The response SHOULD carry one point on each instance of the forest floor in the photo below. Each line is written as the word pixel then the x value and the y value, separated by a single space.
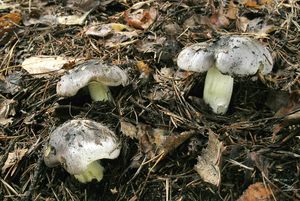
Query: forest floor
pixel 256 143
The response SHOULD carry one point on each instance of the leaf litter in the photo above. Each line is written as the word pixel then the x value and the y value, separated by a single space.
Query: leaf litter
pixel 170 130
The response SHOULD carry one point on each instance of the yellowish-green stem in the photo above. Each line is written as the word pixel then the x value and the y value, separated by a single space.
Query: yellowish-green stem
pixel 217 90
pixel 94 171
pixel 99 91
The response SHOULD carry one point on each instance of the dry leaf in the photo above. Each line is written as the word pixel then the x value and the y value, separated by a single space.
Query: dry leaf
pixel 153 44
pixel 13 159
pixel 257 192
pixel 129 130
pixel 53 20
pixel 6 109
pixel 165 78
pixel 154 141
pixel 232 11
pixel 167 143
pixel 208 166
pixel 242 23
pixel 72 19
pixel 114 34
pixel 195 20
pixel 11 83
pixel 290 113
pixel 144 69
pixel 219 20
pixel 8 26
pixel 9 20
pixel 257 26
pixel 42 66
pixel 141 18
pixel 103 30
pixel 261 162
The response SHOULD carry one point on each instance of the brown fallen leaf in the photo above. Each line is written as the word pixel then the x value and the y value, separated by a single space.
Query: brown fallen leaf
pixel 13 159
pixel 9 20
pixel 141 18
pixel 219 20
pixel 144 69
pixel 290 113
pixel 154 141
pixel 8 25
pixel 208 165
pixel 232 11
pixel 257 192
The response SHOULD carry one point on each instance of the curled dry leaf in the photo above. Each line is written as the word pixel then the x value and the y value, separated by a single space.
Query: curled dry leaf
pixel 154 141
pixel 42 66
pixel 257 192
pixel 13 159
pixel 208 165
pixel 141 18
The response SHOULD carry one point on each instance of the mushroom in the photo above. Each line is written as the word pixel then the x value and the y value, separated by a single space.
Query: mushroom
pixel 94 74
pixel 77 145
pixel 228 57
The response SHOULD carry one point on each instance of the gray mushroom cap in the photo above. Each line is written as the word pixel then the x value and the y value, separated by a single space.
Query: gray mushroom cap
pixel 232 55
pixel 198 57
pixel 91 70
pixel 77 143
pixel 242 56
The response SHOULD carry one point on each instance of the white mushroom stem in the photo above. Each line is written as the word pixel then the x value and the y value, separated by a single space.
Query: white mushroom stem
pixel 99 91
pixel 94 171
pixel 217 90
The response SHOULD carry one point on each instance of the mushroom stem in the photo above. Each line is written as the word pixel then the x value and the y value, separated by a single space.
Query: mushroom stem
pixel 93 171
pixel 217 90
pixel 99 91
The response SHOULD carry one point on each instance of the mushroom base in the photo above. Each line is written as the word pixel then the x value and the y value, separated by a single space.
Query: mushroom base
pixel 217 90
pixel 99 92
pixel 93 171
